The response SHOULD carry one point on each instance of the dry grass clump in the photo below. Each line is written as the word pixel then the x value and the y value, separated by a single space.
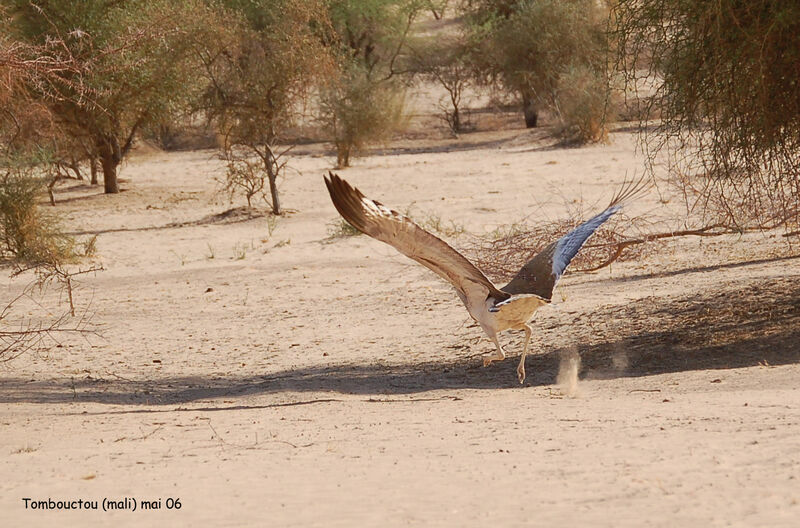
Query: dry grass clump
pixel 29 237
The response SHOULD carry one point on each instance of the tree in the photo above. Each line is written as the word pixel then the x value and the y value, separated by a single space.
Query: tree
pixel 448 62
pixel 260 66
pixel 30 239
pixel 133 62
pixel 724 78
pixel 526 46
pixel 363 102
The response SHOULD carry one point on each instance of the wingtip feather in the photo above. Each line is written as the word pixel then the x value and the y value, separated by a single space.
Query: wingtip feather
pixel 629 190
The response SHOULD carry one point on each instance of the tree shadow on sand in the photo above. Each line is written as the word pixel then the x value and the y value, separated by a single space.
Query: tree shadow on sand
pixel 756 324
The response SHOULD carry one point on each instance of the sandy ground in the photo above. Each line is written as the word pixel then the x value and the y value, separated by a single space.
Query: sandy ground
pixel 266 375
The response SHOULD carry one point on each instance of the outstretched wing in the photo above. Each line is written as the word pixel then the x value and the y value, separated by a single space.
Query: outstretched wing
pixel 380 222
pixel 540 275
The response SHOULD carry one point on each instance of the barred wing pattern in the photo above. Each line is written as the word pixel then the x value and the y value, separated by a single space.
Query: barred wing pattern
pixel 389 226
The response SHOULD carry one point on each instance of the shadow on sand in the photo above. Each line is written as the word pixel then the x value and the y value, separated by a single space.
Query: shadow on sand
pixel 757 324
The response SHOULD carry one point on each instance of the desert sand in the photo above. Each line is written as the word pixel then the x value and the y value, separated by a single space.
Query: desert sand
pixel 265 374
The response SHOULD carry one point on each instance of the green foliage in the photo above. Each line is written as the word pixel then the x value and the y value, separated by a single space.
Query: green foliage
pixel 261 62
pixel 373 32
pixel 724 78
pixel 527 46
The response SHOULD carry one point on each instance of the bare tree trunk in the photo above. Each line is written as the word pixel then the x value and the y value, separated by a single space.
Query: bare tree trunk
pixel 93 169
pixel 342 155
pixel 76 170
pixel 273 190
pixel 529 110
pixel 50 187
pixel 272 175
pixel 109 160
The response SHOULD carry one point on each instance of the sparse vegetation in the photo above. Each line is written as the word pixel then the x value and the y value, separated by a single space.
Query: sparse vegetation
pixel 240 251
pixel 433 222
pixel 341 228
pixel 29 237
pixel 246 175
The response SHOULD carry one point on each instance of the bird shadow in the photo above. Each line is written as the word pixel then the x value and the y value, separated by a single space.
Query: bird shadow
pixel 752 325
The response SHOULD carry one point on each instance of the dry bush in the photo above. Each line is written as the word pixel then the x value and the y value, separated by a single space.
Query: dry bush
pixel 504 251
pixel 356 111
pixel 21 332
pixel 261 60
pixel 581 105
pixel 341 228
pixel 31 240
pixel 252 175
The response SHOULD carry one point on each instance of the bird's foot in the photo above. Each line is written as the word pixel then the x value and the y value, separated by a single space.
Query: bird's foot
pixel 521 373
pixel 488 358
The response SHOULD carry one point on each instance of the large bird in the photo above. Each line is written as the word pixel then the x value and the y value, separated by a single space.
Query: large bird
pixel 494 309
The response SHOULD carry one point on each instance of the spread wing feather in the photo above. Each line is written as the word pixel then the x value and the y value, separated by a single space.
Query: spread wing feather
pixel 389 226
pixel 540 275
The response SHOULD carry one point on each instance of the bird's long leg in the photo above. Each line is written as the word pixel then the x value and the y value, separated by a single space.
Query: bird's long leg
pixel 497 356
pixel 521 367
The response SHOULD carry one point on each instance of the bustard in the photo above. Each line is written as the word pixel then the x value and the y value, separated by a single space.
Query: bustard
pixel 494 309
